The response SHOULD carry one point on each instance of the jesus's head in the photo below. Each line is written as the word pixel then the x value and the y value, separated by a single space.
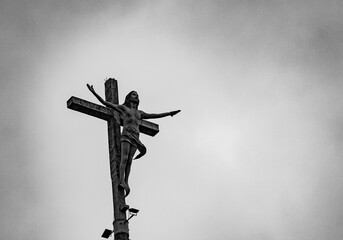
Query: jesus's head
pixel 131 97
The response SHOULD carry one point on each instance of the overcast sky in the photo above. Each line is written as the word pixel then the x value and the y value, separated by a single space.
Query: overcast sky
pixel 256 152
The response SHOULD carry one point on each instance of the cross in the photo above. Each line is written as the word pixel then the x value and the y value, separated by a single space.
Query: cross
pixel 120 224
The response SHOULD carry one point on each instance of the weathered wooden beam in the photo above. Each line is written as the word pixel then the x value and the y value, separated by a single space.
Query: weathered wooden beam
pixel 105 113
pixel 148 128
pixel 89 108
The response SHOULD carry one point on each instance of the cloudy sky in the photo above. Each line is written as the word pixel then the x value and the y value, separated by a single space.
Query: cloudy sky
pixel 255 153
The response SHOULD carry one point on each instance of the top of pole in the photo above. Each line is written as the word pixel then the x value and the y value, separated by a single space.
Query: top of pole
pixel 111 91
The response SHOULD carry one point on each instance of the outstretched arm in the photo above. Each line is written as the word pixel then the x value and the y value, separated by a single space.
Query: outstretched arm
pixel 107 104
pixel 159 115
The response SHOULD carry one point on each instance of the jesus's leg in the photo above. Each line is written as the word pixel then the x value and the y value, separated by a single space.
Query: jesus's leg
pixel 125 151
pixel 128 167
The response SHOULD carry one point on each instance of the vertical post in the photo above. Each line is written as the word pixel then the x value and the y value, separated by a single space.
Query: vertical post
pixel 120 225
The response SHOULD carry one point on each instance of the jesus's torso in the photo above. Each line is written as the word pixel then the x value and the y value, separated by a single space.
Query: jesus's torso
pixel 131 120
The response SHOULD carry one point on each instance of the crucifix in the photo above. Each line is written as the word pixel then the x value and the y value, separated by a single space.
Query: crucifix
pixel 122 147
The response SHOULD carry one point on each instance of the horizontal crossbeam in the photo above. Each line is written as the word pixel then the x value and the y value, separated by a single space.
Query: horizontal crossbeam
pixel 105 113
pixel 89 108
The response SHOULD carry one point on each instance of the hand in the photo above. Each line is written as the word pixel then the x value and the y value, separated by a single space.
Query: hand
pixel 172 113
pixel 90 87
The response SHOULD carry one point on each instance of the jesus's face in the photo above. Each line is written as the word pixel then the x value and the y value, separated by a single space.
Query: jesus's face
pixel 134 96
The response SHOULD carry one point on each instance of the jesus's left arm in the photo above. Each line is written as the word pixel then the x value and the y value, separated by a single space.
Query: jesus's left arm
pixel 158 115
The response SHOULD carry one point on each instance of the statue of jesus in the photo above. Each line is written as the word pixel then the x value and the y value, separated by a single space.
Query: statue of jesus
pixel 130 135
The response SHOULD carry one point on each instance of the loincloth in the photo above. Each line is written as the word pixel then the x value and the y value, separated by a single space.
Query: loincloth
pixel 134 141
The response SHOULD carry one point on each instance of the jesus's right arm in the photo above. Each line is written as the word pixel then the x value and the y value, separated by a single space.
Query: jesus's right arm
pixel 118 108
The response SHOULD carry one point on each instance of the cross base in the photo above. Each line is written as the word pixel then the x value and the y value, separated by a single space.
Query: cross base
pixel 121 236
pixel 120 226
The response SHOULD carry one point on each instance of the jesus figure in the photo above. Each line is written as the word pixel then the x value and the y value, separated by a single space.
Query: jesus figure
pixel 130 135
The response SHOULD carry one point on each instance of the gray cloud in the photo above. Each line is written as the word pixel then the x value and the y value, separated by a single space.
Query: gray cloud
pixel 261 78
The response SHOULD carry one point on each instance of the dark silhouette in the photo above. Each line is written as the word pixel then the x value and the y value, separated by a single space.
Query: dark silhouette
pixel 130 135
